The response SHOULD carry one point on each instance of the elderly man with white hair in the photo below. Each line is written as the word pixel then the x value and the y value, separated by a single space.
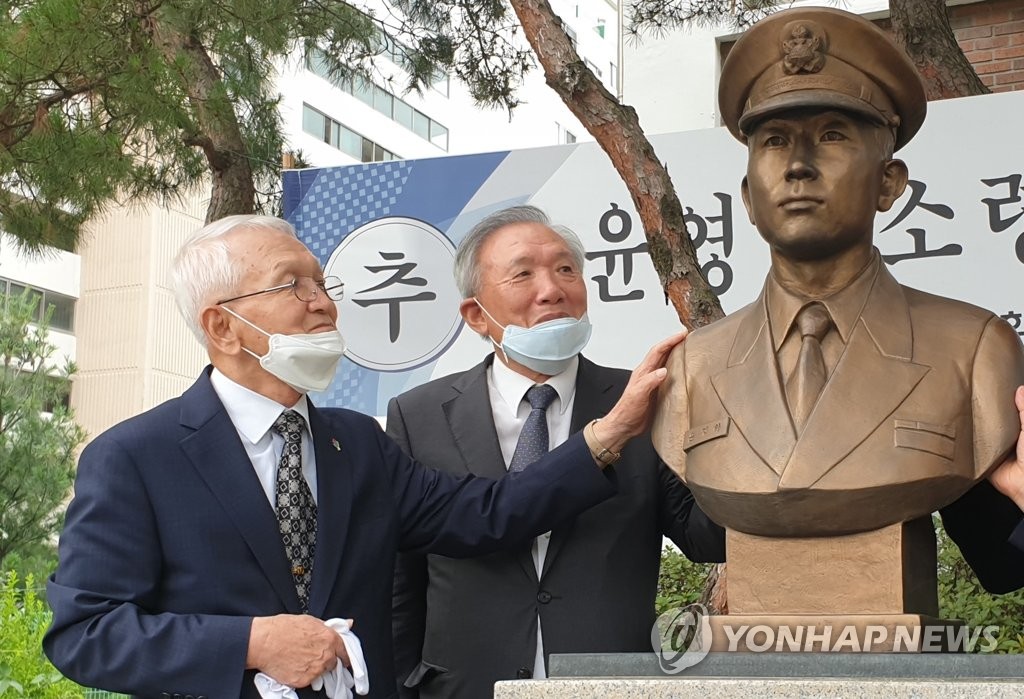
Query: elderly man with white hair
pixel 212 537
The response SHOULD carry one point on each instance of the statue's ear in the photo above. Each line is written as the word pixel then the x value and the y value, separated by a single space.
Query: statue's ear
pixel 745 193
pixel 894 181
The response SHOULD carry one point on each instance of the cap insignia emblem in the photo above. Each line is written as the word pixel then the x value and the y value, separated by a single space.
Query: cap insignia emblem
pixel 803 50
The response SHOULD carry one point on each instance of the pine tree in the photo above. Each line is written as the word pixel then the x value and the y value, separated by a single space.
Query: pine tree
pixel 38 435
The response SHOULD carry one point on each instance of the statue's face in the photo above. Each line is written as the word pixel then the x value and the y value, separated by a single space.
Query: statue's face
pixel 815 180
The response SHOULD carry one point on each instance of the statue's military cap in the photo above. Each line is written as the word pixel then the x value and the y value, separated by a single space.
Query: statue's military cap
pixel 820 58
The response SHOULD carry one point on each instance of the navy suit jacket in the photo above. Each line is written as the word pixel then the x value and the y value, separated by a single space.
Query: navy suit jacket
pixel 170 546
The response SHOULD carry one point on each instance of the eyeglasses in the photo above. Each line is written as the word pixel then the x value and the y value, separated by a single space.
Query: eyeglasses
pixel 304 288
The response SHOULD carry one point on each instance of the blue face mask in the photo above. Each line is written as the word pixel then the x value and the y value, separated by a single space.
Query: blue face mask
pixel 548 347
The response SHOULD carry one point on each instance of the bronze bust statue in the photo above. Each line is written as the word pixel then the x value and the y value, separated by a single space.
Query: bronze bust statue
pixel 839 401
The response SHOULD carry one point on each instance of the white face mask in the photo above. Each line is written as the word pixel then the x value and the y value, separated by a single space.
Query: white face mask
pixel 306 362
pixel 548 347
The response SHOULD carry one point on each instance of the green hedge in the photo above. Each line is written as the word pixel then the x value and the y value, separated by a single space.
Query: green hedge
pixel 24 670
pixel 961 596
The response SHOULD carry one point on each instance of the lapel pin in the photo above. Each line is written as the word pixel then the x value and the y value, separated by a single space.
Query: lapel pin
pixel 335 444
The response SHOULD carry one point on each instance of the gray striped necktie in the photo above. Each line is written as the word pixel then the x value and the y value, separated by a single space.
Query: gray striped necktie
pixel 533 439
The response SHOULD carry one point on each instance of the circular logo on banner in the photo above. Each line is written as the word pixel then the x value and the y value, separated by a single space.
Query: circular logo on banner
pixel 401 306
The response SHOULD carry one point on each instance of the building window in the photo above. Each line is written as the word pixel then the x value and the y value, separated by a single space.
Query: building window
pixel 62 315
pixel 403 113
pixel 385 102
pixel 362 90
pixel 441 83
pixel 613 75
pixel 421 124
pixel 351 143
pixel 334 133
pixel 60 307
pixel 439 135
pixel 315 123
pixel 563 135
pixel 391 48
pixel 600 28
pixel 366 152
pixel 397 53
pixel 593 67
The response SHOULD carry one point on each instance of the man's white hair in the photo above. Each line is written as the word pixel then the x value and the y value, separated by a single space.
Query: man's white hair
pixel 205 270
pixel 467 258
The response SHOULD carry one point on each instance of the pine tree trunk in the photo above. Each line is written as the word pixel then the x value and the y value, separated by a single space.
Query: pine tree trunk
pixel 715 595
pixel 217 133
pixel 922 28
pixel 617 130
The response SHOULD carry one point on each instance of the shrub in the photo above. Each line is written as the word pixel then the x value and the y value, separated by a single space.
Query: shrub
pixel 680 581
pixel 24 670
pixel 961 596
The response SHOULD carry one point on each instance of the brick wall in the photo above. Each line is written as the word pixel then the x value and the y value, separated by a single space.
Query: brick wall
pixel 991 35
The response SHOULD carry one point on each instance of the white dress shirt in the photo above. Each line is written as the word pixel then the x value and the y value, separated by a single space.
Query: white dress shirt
pixel 253 416
pixel 507 391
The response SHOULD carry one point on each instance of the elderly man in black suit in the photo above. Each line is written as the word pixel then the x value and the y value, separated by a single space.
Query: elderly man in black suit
pixel 587 586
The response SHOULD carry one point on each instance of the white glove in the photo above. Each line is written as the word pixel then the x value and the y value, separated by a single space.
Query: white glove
pixel 337 683
pixel 269 688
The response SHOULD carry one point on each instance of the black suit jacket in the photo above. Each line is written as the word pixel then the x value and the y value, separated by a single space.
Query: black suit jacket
pixel 1017 539
pixel 461 625
pixel 171 547
pixel 989 530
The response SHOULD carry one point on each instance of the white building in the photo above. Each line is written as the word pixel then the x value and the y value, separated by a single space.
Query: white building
pixel 53 277
pixel 672 79
pixel 343 122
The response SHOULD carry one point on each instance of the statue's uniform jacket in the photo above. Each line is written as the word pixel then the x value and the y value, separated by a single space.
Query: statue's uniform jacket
pixel 918 408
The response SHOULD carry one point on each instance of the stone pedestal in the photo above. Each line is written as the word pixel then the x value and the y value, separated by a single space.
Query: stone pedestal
pixel 745 689
pixel 869 592
pixel 778 675
pixel 886 571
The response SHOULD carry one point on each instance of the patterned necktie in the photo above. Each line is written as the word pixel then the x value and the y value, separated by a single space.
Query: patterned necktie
pixel 296 509
pixel 533 439
pixel 809 376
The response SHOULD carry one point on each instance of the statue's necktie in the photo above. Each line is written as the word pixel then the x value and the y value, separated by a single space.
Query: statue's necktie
pixel 808 378
pixel 296 509
pixel 533 439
